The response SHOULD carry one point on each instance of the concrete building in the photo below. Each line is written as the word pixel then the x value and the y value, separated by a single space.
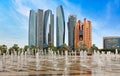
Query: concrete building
pixel 71 24
pixel 60 27
pixel 111 42
pixel 83 33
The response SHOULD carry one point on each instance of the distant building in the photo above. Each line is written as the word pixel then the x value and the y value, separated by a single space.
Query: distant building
pixel 32 28
pixel 48 28
pixel 83 33
pixel 60 27
pixel 111 42
pixel 71 25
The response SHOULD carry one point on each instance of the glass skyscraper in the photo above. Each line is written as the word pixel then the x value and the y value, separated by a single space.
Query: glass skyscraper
pixel 40 27
pixel 32 28
pixel 60 27
pixel 71 25
pixel 48 28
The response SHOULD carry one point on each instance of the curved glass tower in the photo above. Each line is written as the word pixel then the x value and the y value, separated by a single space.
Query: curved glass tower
pixel 48 28
pixel 32 28
pixel 60 26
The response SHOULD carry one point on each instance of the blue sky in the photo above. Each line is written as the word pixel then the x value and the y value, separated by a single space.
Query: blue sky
pixel 14 17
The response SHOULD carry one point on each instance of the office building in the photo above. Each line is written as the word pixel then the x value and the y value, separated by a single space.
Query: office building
pixel 40 27
pixel 48 28
pixel 60 27
pixel 82 33
pixel 32 28
pixel 111 42
pixel 71 25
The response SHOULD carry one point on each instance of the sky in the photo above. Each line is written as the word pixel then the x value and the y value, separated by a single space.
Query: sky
pixel 14 18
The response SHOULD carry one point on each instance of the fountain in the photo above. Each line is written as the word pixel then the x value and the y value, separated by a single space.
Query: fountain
pixel 25 62
pixel 116 51
pixel 18 63
pixel 60 62
pixel 37 62
pixel 1 66
pixel 66 58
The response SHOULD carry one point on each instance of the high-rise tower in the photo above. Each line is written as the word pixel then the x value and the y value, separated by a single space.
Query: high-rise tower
pixel 82 33
pixel 48 28
pixel 71 25
pixel 40 27
pixel 32 28
pixel 87 33
pixel 60 27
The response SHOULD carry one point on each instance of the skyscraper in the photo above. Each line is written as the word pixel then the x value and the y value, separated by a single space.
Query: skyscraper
pixel 48 28
pixel 82 33
pixel 32 28
pixel 60 26
pixel 78 34
pixel 87 33
pixel 71 25
pixel 40 27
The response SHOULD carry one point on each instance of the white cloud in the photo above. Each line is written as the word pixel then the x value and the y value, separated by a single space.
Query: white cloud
pixel 20 8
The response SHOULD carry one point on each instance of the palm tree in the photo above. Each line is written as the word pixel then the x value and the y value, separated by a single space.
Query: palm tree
pixel 33 49
pixel 11 50
pixel 16 48
pixel 83 46
pixel 40 47
pixel 93 47
pixel 64 47
pixel 26 47
pixel 3 49
pixel 77 48
pixel 51 46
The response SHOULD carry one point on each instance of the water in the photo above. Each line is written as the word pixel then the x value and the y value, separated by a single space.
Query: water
pixel 59 63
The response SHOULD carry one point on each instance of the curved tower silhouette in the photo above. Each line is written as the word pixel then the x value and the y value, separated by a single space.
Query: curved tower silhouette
pixel 60 27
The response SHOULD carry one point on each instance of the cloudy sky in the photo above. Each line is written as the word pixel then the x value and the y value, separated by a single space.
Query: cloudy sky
pixel 14 17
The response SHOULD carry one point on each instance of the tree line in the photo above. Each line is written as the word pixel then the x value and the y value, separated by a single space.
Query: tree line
pixel 64 47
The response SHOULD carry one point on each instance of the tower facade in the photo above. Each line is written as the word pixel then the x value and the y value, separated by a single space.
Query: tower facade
pixel 60 27
pixel 78 34
pixel 48 28
pixel 82 33
pixel 111 42
pixel 32 28
pixel 87 35
pixel 40 27
pixel 71 25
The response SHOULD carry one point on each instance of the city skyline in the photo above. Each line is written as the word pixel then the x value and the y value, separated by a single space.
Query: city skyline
pixel 104 16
